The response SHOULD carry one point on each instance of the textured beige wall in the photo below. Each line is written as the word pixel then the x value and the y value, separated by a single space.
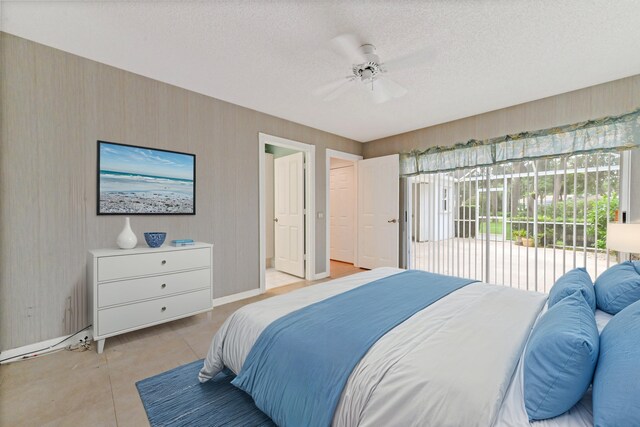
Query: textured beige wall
pixel 613 98
pixel 54 107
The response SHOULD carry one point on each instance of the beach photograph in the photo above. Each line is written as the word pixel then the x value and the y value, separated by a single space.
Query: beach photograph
pixel 138 180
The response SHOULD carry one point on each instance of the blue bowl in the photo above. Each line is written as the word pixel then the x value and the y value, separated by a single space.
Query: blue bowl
pixel 155 239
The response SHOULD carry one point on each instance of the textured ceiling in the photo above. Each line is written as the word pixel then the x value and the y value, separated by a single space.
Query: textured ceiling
pixel 269 56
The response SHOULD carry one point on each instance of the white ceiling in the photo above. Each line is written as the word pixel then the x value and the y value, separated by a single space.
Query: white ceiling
pixel 269 56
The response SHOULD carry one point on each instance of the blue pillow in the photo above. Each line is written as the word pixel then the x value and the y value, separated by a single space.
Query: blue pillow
pixel 616 385
pixel 618 287
pixel 560 358
pixel 575 280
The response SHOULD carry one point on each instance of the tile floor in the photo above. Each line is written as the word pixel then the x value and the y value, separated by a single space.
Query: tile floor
pixel 90 389
pixel 274 278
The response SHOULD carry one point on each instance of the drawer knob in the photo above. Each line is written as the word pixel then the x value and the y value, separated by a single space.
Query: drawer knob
pixel 163 309
pixel 164 261
pixel 164 285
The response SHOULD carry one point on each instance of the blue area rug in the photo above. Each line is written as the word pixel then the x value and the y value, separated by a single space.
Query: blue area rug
pixel 176 398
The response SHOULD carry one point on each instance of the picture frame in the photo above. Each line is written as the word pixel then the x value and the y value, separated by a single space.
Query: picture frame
pixel 137 180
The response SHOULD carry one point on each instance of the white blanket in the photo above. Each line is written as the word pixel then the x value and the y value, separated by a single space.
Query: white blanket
pixel 449 364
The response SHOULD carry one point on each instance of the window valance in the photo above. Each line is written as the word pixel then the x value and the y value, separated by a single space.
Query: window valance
pixel 605 134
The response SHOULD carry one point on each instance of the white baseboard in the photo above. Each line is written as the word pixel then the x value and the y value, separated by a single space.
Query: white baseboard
pixel 42 347
pixel 236 297
pixel 322 275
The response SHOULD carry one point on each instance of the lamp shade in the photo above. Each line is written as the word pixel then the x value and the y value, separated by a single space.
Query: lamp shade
pixel 623 237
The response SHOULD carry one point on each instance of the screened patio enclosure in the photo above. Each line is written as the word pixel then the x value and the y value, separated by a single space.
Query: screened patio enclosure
pixel 521 224
pixel 520 210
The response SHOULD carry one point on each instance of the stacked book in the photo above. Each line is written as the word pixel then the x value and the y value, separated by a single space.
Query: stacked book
pixel 183 242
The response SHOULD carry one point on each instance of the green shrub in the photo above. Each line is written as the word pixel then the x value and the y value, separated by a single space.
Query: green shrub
pixel 600 206
pixel 518 234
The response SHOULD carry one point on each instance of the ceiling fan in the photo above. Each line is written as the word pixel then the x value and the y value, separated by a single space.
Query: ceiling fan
pixel 368 72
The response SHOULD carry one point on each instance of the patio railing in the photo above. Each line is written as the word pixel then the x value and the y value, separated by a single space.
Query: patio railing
pixel 521 224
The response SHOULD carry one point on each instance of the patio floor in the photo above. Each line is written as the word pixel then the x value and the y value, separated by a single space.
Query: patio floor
pixel 521 267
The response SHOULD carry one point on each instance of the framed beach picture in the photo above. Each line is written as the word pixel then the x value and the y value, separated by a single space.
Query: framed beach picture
pixel 145 181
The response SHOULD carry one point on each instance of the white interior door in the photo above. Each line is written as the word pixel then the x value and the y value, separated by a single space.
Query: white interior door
pixel 342 216
pixel 378 212
pixel 289 214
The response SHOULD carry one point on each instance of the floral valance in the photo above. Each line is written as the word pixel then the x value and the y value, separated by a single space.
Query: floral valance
pixel 606 134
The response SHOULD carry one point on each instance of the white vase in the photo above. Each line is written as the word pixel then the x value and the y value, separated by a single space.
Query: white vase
pixel 127 239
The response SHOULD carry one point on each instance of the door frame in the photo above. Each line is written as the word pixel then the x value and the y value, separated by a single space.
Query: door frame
pixel 344 156
pixel 309 152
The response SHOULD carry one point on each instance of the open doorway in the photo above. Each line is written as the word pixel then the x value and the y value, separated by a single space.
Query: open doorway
pixel 342 229
pixel 286 195
pixel 284 215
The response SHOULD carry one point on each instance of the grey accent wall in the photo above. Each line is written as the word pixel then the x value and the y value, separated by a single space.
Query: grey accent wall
pixel 54 106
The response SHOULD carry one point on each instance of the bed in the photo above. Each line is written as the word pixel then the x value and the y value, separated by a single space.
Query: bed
pixel 456 362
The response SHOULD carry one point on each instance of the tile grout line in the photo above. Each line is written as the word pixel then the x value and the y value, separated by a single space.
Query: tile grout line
pixel 190 348
pixel 113 400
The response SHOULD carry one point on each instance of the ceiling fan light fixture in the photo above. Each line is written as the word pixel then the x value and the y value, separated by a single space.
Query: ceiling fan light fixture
pixel 366 70
pixel 366 74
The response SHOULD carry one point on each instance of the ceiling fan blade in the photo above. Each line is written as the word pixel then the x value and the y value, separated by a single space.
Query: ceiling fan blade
pixel 348 45
pixel 348 84
pixel 411 60
pixel 378 91
pixel 325 90
pixel 391 87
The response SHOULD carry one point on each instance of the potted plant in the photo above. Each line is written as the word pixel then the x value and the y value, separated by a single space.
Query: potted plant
pixel 518 235
pixel 523 235
pixel 528 241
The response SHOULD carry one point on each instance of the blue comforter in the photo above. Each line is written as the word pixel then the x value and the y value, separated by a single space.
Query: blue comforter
pixel 298 367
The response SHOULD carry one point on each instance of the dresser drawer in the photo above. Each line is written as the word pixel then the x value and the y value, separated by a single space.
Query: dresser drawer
pixel 111 320
pixel 124 291
pixel 126 266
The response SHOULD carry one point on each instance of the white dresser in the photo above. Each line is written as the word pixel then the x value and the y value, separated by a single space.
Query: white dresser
pixel 136 288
